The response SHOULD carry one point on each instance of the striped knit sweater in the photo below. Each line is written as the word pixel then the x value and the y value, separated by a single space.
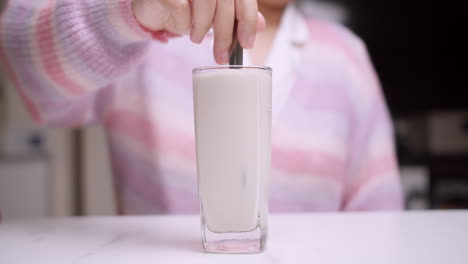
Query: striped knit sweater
pixel 82 62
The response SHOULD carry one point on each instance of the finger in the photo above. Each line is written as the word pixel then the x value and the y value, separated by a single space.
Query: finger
pixel 203 12
pixel 223 25
pixel 246 14
pixel 180 19
pixel 261 22
pixel 145 16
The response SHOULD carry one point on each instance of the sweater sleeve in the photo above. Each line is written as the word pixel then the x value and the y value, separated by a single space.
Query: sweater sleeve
pixel 373 180
pixel 62 54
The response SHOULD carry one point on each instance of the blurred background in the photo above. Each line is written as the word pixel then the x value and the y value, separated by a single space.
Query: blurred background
pixel 59 172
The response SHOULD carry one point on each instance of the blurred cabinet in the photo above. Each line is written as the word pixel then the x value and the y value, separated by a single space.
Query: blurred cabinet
pixel 435 133
pixel 438 140
pixel 415 182
pixel 24 188
pixel 448 181
pixel 448 133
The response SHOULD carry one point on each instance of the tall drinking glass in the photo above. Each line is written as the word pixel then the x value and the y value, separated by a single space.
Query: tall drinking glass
pixel 232 106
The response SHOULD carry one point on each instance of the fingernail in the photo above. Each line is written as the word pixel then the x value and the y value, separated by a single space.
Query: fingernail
pixel 250 41
pixel 246 39
pixel 196 38
pixel 224 57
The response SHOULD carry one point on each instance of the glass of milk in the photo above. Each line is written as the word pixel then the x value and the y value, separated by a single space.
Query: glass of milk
pixel 232 106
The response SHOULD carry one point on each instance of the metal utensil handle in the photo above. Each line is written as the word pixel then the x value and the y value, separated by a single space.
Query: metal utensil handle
pixel 237 53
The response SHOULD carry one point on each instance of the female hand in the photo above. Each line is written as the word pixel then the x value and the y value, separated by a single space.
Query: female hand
pixel 198 16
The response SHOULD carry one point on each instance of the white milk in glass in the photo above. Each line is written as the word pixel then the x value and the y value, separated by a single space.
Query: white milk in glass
pixel 233 139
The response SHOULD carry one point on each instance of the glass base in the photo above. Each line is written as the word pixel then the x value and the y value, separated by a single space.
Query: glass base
pixel 234 242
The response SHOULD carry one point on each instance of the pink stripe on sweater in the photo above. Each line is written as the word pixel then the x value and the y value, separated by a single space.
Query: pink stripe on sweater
pixel 47 47
pixel 162 138
pixel 133 125
pixel 170 140
pixel 296 161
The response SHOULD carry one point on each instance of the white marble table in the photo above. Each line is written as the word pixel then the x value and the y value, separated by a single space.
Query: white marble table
pixel 422 237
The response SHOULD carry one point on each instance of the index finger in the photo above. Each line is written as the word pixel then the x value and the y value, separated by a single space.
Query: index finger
pixel 223 28
pixel 246 14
